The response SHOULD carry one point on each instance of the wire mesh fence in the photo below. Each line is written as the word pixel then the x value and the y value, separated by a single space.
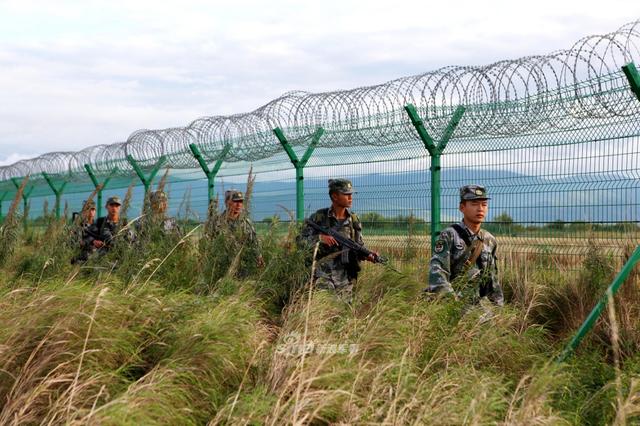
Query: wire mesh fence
pixel 554 138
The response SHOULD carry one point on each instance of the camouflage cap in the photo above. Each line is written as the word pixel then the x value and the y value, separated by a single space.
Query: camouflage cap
pixel 114 200
pixel 157 196
pixel 233 195
pixel 343 186
pixel 473 192
pixel 88 204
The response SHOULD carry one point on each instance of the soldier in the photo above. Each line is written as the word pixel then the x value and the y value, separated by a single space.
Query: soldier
pixel 100 236
pixel 88 213
pixel 158 216
pixel 336 269
pixel 80 229
pixel 467 254
pixel 238 224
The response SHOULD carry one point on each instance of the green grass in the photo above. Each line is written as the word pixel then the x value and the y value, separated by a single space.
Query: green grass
pixel 168 332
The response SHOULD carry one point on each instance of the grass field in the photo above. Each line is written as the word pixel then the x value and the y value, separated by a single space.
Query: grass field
pixel 171 331
pixel 616 245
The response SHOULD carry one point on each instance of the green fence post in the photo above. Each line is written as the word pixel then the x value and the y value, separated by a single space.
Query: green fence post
pixel 99 186
pixel 299 165
pixel 25 199
pixel 56 191
pixel 210 174
pixel 631 72
pixel 588 324
pixel 146 181
pixel 435 151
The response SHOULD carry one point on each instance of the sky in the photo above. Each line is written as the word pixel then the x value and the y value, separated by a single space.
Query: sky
pixel 81 73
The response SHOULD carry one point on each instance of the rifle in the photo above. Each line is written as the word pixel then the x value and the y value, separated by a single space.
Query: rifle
pixel 348 243
pixel 106 238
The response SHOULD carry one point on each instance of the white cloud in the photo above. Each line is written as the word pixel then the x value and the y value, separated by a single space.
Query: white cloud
pixel 78 74
pixel 13 158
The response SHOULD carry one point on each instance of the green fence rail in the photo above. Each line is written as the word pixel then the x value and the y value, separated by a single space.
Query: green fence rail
pixel 299 164
pixel 555 139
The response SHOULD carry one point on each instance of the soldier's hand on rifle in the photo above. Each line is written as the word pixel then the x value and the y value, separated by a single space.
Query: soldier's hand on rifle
pixel 260 262
pixel 373 256
pixel 328 240
pixel 98 243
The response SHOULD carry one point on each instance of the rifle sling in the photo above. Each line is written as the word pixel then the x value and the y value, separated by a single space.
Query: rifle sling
pixel 474 247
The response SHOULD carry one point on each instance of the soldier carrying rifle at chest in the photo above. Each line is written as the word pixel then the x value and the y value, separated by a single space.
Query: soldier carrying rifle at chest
pixel 337 262
pixel 100 236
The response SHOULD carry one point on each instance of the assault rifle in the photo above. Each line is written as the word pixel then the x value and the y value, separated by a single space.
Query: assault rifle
pixel 359 249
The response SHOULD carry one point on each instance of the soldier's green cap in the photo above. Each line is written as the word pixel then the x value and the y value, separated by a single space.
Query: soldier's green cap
pixel 157 196
pixel 473 192
pixel 88 204
pixel 343 186
pixel 114 200
pixel 233 195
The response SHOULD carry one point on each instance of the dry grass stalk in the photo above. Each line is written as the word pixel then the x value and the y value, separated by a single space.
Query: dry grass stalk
pixel 85 207
pixel 235 264
pixel 45 209
pixel 251 180
pixel 9 231
pixel 259 350
pixel 13 209
pixel 305 335
pixel 163 181
pixel 182 241
pixel 629 409
pixel 213 218
pixel 126 203
pixel 84 351
pixel 615 347
pixel 184 209
pixel 529 405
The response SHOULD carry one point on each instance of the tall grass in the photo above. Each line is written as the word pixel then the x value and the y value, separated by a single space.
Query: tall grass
pixel 9 230
pixel 84 353
pixel 174 337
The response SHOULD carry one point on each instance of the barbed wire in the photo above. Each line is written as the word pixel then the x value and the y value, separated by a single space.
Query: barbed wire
pixel 558 91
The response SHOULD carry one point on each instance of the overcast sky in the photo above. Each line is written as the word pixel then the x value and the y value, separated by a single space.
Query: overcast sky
pixel 80 73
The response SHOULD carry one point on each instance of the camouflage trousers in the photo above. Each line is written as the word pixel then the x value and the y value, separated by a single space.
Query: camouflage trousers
pixel 335 281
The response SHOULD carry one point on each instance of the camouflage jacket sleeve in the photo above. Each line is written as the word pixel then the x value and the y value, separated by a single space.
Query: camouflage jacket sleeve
pixel 309 235
pixel 129 232
pixel 252 235
pixel 357 234
pixel 357 227
pixel 172 225
pixel 88 235
pixel 108 233
pixel 494 290
pixel 440 265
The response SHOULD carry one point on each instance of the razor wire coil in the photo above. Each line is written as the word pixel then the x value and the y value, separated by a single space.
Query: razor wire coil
pixel 554 92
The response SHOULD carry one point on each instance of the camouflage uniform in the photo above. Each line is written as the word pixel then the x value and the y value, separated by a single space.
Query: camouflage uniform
pixel 83 229
pixel 449 262
pixel 241 234
pixel 157 219
pixel 80 230
pixel 336 269
pixel 166 225
pixel 104 230
pixel 242 228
